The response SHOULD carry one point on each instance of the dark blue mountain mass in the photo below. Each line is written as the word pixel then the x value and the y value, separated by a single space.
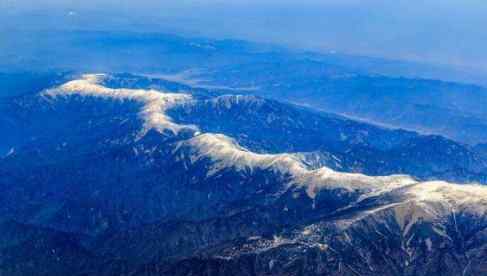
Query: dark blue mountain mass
pixel 154 154
pixel 168 174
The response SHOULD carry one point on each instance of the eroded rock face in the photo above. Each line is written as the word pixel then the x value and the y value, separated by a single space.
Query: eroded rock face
pixel 110 181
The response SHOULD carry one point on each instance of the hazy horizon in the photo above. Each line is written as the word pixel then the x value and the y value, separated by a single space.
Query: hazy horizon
pixel 433 32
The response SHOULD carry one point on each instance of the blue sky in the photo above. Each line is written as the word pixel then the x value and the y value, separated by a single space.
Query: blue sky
pixel 448 32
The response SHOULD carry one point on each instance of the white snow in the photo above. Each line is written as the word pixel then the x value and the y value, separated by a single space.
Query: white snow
pixel 448 197
pixel 431 202
pixel 10 153
pixel 425 199
pixel 154 102
pixel 370 185
pixel 429 244
pixel 225 153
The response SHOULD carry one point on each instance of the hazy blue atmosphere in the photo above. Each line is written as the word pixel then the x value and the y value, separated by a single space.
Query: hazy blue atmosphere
pixel 245 137
pixel 434 31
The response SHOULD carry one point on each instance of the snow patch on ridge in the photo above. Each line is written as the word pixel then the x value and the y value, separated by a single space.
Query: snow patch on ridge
pixel 430 202
pixel 155 103
pixel 318 179
pixel 225 152
pixel 454 197
pixel 434 200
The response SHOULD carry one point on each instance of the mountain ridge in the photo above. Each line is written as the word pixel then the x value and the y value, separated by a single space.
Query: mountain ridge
pixel 157 177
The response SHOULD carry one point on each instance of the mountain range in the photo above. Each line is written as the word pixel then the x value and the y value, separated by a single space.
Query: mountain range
pixel 124 174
